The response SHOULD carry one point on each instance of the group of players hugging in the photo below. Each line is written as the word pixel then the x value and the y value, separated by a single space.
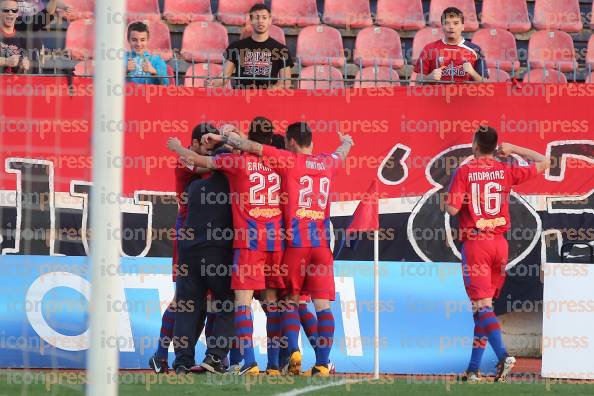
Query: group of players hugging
pixel 258 213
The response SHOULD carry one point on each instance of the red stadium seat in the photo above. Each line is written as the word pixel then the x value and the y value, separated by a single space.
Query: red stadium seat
pixel 275 32
pixel 347 13
pixel 159 39
pixel 204 42
pixel 368 77
pixel 81 9
pixel 235 12
pixel 182 12
pixel 80 39
pixel 590 53
pixel 498 75
pixel 141 10
pixel 400 14
pixel 511 15
pixel 378 46
pixel 326 77
pixel 558 15
pixel 424 37
pixel 551 49
pixel 320 45
pixel 499 48
pixel 211 70
pixel 84 68
pixel 295 13
pixel 466 6
pixel 544 76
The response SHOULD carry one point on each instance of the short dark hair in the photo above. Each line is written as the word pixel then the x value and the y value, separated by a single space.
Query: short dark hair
pixel 452 12
pixel 486 139
pixel 300 133
pixel 202 129
pixel 278 141
pixel 258 7
pixel 261 130
pixel 138 27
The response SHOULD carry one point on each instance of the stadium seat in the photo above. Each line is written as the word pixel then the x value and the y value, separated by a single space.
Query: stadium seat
pixel 544 76
pixel 498 75
pixel 466 6
pixel 84 68
pixel 330 77
pixel 159 39
pixel 590 52
pixel 182 12
pixel 320 45
pixel 80 39
pixel 275 32
pixel 499 48
pixel 551 49
pixel 558 15
pixel 81 9
pixel 400 14
pixel 347 13
pixel 511 15
pixel 211 70
pixel 368 77
pixel 235 12
pixel 142 10
pixel 422 38
pixel 204 42
pixel 378 46
pixel 295 13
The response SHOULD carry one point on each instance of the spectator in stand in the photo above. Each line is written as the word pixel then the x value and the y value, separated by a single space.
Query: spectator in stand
pixel 452 58
pixel 28 8
pixel 18 44
pixel 259 56
pixel 142 67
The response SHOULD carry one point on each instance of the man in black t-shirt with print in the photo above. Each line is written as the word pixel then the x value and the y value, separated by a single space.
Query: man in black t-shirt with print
pixel 260 57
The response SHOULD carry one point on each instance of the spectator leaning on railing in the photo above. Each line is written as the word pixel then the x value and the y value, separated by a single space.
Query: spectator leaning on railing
pixel 258 56
pixel 142 67
pixel 17 43
pixel 452 58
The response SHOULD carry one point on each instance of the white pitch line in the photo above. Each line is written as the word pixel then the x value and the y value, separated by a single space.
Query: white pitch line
pixel 312 388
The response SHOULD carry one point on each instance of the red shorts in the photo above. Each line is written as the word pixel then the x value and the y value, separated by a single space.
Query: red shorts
pixel 483 266
pixel 310 270
pixel 255 270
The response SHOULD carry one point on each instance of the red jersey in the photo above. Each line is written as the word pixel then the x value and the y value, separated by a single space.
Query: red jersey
pixel 453 57
pixel 480 189
pixel 183 177
pixel 306 181
pixel 255 201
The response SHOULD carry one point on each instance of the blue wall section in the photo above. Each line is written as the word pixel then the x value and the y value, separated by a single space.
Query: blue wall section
pixel 425 322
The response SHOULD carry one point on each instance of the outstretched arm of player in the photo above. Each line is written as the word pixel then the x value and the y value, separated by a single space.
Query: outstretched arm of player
pixel 542 163
pixel 235 141
pixel 346 143
pixel 188 156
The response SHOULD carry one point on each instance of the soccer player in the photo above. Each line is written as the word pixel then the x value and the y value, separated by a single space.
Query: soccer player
pixel 479 196
pixel 452 58
pixel 184 175
pixel 308 260
pixel 257 218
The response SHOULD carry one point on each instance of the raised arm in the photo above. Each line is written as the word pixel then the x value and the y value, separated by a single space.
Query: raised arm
pixel 188 155
pixel 235 141
pixel 542 163
pixel 346 143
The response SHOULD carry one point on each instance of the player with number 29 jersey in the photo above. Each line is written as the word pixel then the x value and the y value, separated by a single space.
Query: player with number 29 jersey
pixel 306 181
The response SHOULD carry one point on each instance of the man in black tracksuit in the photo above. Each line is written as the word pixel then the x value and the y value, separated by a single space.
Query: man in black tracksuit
pixel 205 262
